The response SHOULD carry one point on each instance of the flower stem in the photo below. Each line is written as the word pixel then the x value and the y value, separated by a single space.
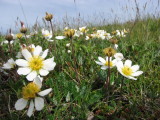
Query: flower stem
pixel 108 74
pixel 10 48
pixel 74 59
pixel 122 83
pixel 108 78
pixel 53 35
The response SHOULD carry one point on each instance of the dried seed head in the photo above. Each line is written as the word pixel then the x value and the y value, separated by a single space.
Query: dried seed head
pixel 48 16
pixel 113 41
pixel 114 32
pixel 109 51
pixel 69 33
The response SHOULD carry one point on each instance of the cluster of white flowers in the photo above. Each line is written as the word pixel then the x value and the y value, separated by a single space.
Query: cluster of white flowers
pixel 126 69
pixel 33 65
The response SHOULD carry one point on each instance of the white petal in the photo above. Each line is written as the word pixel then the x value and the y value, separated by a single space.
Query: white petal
pixel 104 67
pixel 60 37
pixel 43 72
pixel 135 68
pixel 23 71
pixel 128 63
pixel 37 50
pixel 102 60
pixel 38 81
pixel 99 63
pixel 11 61
pixel 7 66
pixel 130 77
pixel 21 104
pixel 114 62
pixel 39 103
pixel 27 55
pixel 45 92
pixel 50 40
pixel 31 76
pixel 30 109
pixel 22 62
pixel 44 54
pixel 119 64
pixel 109 58
pixel 49 64
pixel 119 56
pixel 137 73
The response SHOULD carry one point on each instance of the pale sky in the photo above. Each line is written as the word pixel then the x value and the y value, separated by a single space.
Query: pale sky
pixel 90 10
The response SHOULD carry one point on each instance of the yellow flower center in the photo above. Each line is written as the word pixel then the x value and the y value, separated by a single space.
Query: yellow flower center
pixel 19 35
pixel 46 35
pixel 36 63
pixel 109 64
pixel 30 91
pixel 83 30
pixel 127 70
pixel 31 49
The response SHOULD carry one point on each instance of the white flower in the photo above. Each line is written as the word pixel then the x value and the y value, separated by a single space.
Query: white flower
pixel 47 34
pixel 31 94
pixel 104 62
pixel 87 38
pixel 83 30
pixel 68 44
pixel 68 51
pixel 6 42
pixel 9 64
pixel 115 46
pixel 34 63
pixel 127 70
pixel 119 56
pixel 77 33
pixel 60 37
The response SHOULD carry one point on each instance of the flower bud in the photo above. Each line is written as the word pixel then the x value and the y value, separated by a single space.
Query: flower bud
pixel 48 16
pixel 109 51
pixel 9 37
pixel 23 30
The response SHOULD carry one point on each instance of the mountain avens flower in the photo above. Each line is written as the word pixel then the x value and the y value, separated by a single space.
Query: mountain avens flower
pixel 34 63
pixel 105 64
pixel 32 93
pixel 9 64
pixel 127 70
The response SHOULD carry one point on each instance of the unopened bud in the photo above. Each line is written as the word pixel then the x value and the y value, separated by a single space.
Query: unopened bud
pixel 23 30
pixel 9 37
pixel 48 16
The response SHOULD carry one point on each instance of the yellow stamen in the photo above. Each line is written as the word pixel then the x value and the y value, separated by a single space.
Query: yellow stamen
pixel 110 64
pixel 30 91
pixel 46 35
pixel 36 63
pixel 127 70
pixel 19 35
